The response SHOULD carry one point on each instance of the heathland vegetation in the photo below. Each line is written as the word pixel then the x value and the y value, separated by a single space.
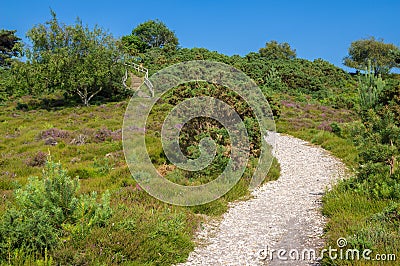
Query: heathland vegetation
pixel 68 196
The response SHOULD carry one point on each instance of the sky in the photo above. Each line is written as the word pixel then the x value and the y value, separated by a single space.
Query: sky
pixel 316 29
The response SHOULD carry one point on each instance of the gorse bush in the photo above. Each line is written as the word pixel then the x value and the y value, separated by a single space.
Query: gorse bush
pixel 199 128
pixel 47 210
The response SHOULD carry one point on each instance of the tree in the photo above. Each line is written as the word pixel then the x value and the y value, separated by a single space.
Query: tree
pixel 150 34
pixel 396 56
pixel 9 46
pixel 73 59
pixel 379 53
pixel 275 50
pixel 133 45
pixel 370 88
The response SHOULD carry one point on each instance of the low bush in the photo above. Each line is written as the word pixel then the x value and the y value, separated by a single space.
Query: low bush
pixel 48 210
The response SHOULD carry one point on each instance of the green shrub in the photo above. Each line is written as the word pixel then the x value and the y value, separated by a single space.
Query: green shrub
pixel 103 165
pixel 89 213
pixel 48 209
pixel 336 129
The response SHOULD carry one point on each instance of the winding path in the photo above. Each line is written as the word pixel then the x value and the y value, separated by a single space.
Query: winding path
pixel 283 213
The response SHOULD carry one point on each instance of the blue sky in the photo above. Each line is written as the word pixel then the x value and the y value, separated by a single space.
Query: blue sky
pixel 316 29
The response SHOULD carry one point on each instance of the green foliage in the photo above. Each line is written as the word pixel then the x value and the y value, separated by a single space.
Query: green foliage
pixel 370 88
pixel 396 55
pixel 320 79
pixel 87 214
pixel 380 54
pixel 199 128
pixel 156 58
pixel 150 34
pixel 46 209
pixel 15 81
pixel 72 59
pixel 103 165
pixel 390 96
pixel 10 46
pixel 378 139
pixel 274 81
pixel 4 82
pixel 133 45
pixel 274 50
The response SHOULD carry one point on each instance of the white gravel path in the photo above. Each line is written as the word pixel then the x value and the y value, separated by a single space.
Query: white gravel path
pixel 283 213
